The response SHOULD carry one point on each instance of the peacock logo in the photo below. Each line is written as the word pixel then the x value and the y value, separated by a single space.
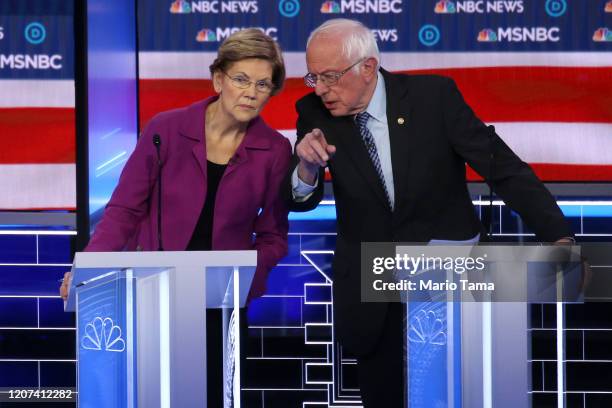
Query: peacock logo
pixel 445 7
pixel 330 7
pixel 487 35
pixel 206 35
pixel 426 327
pixel 180 7
pixel 603 34
pixel 103 335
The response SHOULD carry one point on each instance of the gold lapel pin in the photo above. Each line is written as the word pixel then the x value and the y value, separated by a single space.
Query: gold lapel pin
pixel 400 121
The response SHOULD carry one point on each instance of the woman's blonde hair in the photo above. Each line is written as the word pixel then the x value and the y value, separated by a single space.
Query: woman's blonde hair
pixel 251 43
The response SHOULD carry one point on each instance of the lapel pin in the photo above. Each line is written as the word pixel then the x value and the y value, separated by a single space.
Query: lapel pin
pixel 400 121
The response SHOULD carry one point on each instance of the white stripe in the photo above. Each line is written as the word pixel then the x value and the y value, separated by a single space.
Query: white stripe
pixel 411 60
pixel 37 328
pixel 37 93
pixel 175 65
pixel 549 142
pixel 37 186
pixel 289 134
pixel 560 346
pixel 34 264
pixel 497 203
pixel 562 143
pixel 45 360
pixel 559 202
pixel 194 65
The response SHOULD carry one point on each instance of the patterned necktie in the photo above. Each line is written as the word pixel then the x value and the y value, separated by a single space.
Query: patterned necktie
pixel 361 119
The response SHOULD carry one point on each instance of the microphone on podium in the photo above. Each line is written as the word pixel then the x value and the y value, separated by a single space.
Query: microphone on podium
pixel 157 143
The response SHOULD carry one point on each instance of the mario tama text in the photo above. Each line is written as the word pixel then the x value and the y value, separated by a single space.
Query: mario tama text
pixel 432 285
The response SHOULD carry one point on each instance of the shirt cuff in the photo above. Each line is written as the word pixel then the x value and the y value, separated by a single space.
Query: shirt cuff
pixel 301 190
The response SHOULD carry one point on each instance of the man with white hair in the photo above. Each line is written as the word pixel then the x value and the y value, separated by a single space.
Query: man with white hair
pixel 396 147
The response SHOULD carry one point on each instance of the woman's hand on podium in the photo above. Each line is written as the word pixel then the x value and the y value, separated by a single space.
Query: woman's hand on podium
pixel 65 285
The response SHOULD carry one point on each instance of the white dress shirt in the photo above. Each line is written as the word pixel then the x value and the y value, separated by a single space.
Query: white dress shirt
pixel 377 125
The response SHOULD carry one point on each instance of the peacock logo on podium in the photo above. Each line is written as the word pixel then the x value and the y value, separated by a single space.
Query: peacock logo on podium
pixel 426 327
pixel 103 335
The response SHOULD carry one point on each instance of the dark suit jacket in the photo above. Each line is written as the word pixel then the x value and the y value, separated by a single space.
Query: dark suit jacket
pixel 429 150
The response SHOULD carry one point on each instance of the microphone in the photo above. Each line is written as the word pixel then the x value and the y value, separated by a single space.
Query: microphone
pixel 157 143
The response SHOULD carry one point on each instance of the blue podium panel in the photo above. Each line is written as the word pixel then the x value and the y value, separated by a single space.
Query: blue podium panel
pixel 142 325
pixel 433 341
pixel 105 350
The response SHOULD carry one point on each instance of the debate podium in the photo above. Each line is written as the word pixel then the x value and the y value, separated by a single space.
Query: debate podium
pixel 471 348
pixel 141 325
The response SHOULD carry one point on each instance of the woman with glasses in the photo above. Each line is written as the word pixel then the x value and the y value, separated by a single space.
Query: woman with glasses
pixel 221 171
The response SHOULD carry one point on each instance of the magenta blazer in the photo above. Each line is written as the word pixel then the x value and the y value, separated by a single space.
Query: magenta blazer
pixel 248 199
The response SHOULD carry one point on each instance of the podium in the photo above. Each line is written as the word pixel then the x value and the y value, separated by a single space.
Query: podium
pixel 471 347
pixel 141 325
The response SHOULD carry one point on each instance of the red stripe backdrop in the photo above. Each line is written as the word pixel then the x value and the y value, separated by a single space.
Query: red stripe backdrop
pixel 37 135
pixel 500 94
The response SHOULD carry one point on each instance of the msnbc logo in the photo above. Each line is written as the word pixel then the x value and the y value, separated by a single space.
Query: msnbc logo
pixel 180 7
pixel 520 34
pixel 445 7
pixel 602 35
pixel 608 8
pixel 221 33
pixel 362 6
pixel 487 35
pixel 330 7
pixel 206 35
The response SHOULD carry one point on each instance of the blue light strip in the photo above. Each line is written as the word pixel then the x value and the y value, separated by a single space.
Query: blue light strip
pixel 322 212
pixel 588 209
pixel 591 211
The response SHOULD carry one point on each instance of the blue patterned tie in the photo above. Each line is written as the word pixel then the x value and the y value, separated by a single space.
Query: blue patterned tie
pixel 361 119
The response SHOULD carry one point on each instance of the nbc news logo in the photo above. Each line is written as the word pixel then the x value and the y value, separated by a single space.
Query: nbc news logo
pixel 214 6
pixel 479 6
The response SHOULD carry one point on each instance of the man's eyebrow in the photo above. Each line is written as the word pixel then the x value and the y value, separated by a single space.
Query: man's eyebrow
pixel 326 72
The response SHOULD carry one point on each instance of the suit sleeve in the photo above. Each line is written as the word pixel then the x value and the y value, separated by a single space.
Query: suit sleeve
pixel 129 202
pixel 271 225
pixel 511 178
pixel 315 198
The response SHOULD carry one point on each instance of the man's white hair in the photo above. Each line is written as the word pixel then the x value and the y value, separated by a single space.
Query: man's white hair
pixel 357 40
